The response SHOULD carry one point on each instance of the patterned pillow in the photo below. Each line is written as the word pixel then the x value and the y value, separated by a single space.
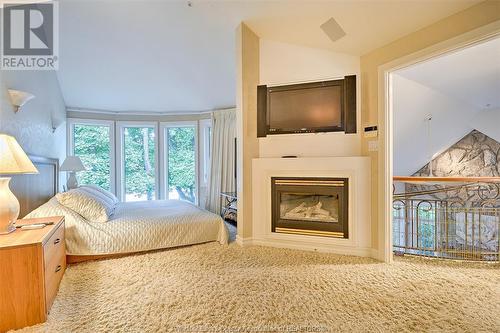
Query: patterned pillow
pixel 108 194
pixel 85 204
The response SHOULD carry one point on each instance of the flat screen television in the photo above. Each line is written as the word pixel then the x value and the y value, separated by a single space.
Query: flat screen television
pixel 328 106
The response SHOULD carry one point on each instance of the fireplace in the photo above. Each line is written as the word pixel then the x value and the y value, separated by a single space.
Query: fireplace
pixel 310 206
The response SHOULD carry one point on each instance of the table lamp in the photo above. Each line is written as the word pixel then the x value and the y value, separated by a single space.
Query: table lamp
pixel 13 161
pixel 72 164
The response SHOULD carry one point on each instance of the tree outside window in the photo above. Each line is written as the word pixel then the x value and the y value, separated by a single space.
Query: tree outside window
pixel 181 163
pixel 92 144
pixel 139 155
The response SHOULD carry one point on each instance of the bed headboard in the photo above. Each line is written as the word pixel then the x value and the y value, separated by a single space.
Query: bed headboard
pixel 32 191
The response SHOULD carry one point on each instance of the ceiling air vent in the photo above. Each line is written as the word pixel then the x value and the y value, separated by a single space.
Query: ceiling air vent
pixel 333 30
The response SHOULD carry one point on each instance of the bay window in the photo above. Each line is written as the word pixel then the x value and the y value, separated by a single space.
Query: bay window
pixel 140 161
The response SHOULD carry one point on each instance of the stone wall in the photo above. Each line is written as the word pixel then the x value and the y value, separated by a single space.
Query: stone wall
pixel 474 155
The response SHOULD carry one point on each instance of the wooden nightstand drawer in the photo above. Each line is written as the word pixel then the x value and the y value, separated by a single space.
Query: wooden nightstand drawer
pixel 54 255
pixel 32 264
pixel 54 245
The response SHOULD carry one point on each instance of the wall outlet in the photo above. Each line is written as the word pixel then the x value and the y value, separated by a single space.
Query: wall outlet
pixel 373 145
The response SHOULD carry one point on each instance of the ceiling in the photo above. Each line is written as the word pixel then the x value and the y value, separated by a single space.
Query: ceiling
pixel 459 90
pixel 166 56
pixel 471 75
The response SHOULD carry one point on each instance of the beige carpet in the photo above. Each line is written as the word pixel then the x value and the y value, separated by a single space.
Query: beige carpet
pixel 213 288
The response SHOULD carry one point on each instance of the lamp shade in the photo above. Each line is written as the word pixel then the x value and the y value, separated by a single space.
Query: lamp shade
pixel 73 164
pixel 19 98
pixel 13 159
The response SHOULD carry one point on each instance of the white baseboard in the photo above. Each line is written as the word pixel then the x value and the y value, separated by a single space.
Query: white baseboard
pixel 343 250
pixel 243 241
pixel 374 254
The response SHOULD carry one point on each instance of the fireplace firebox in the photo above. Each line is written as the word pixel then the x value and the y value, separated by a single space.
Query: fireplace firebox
pixel 310 206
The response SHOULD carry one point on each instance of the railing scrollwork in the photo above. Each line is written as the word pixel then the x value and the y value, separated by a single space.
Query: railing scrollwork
pixel 427 223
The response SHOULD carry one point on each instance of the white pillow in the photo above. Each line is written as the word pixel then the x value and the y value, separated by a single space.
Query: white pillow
pixel 107 201
pixel 85 204
pixel 108 194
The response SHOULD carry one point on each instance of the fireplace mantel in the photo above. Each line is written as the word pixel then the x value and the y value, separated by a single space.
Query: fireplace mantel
pixel 355 169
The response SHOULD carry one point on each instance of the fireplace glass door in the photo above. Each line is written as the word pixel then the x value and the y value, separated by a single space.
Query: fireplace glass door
pixel 310 206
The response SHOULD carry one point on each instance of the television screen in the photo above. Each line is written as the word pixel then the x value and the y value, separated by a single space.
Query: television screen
pixel 306 108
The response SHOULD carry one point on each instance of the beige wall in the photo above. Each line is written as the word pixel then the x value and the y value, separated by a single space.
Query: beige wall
pixel 247 79
pixel 421 42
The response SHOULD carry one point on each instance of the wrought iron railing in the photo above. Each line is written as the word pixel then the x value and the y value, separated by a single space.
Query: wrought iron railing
pixel 467 230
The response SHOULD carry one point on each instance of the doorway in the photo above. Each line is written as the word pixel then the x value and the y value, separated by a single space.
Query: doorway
pixel 387 77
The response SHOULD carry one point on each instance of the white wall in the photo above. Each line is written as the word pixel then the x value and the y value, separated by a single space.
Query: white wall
pixel 33 125
pixel 282 63
pixel 488 122
pixel 413 102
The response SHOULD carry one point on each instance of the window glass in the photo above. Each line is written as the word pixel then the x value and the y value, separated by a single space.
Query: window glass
pixel 92 144
pixel 139 163
pixel 181 163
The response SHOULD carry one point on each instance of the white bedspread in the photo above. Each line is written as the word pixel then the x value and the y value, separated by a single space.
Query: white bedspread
pixel 138 226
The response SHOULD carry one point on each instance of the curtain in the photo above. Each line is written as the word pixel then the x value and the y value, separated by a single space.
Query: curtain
pixel 221 177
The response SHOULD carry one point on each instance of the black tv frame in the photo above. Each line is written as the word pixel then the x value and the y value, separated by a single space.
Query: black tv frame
pixel 348 107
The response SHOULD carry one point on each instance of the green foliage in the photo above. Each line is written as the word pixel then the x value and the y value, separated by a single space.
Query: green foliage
pixel 181 162
pixel 91 144
pixel 139 166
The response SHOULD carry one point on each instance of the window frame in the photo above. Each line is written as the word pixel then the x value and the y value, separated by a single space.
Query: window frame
pixel 116 132
pixel 163 155
pixel 70 126
pixel 204 149
pixel 120 159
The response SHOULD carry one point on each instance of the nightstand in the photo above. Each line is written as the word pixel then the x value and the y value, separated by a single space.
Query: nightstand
pixel 32 264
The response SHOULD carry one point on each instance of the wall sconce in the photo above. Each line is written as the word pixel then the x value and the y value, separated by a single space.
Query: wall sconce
pixel 19 98
pixel 56 121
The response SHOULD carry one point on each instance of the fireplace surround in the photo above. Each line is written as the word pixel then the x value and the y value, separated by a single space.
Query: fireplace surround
pixel 313 206
pixel 354 168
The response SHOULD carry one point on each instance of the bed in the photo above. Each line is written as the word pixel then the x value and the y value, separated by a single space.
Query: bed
pixel 137 227
pixel 133 227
